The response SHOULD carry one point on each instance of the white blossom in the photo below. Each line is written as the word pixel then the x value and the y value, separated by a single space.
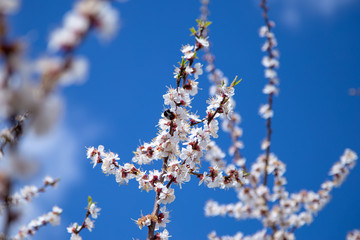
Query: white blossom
pixel 164 235
pixel 203 42
pixel 265 111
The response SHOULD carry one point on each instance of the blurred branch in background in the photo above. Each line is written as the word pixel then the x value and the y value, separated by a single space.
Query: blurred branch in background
pixel 29 102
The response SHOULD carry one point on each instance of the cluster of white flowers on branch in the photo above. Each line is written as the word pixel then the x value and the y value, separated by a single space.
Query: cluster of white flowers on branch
pixel 52 217
pixel 177 126
pixel 278 210
pixel 86 14
pixel 91 211
pixel 27 193
pixel 270 62
pixel 287 212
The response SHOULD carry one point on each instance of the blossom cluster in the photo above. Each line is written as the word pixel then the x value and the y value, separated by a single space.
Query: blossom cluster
pixel 270 62
pixel 27 193
pixel 230 124
pixel 52 217
pixel 287 211
pixel 177 127
pixel 91 211
pixel 85 15
pixel 77 23
pixel 161 219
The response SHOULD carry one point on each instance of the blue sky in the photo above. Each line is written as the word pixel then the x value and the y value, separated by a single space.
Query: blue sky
pixel 120 104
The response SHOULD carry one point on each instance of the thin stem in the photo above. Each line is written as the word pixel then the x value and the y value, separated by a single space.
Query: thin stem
pixel 268 138
pixel 265 9
pixel 83 225
pixel 212 116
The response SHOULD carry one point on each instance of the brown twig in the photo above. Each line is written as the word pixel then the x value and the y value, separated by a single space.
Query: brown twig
pixel 83 225
pixel 265 8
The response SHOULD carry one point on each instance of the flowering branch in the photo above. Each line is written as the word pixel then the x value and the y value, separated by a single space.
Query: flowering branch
pixel 177 126
pixel 270 62
pixel 75 228
pixel 288 212
pixel 52 217
pixel 27 193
